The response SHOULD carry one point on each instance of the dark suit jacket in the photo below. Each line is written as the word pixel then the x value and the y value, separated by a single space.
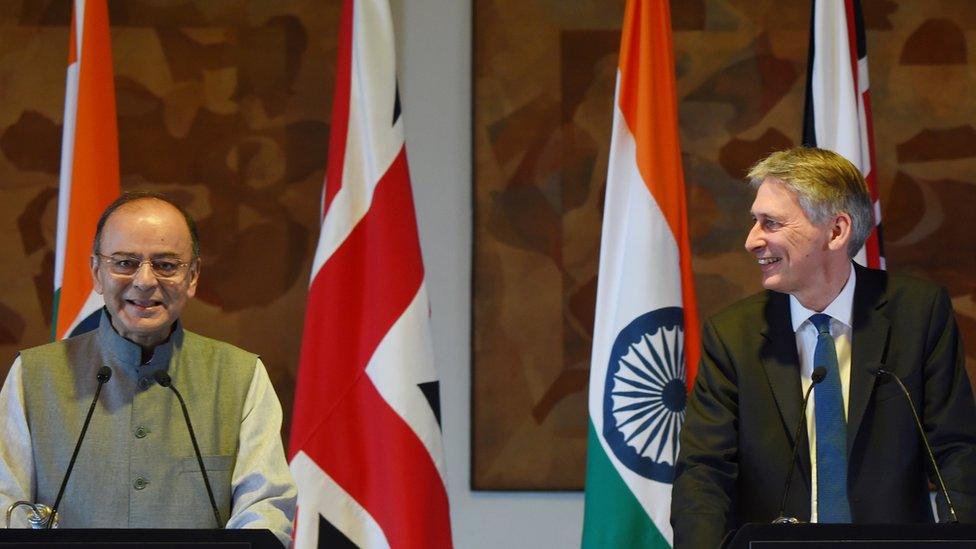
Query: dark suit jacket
pixel 737 438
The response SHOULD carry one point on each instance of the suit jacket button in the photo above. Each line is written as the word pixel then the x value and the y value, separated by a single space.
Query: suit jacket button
pixel 141 432
pixel 140 483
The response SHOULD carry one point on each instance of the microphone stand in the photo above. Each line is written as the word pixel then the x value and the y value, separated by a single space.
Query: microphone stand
pixel 104 374
pixel 921 431
pixel 164 380
pixel 819 373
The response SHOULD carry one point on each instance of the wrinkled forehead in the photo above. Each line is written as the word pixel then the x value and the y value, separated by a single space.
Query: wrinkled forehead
pixel 146 227
pixel 774 196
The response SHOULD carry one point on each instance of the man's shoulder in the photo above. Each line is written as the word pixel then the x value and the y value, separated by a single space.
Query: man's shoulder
pixel 897 287
pixel 752 307
pixel 203 361
pixel 195 342
pixel 59 348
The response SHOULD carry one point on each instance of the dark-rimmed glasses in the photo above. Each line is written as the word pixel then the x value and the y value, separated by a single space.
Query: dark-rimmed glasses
pixel 166 268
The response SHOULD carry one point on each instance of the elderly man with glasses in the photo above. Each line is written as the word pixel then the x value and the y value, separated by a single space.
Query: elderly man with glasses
pixel 137 467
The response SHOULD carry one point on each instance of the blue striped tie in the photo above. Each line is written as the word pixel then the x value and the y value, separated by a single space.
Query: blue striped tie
pixel 832 502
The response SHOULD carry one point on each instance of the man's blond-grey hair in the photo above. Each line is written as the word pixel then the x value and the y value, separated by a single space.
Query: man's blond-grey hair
pixel 825 184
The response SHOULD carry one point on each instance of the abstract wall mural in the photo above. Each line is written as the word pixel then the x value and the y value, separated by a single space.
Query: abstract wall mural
pixel 223 105
pixel 543 82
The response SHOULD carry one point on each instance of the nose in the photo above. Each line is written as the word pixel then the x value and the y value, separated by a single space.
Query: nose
pixel 144 276
pixel 754 240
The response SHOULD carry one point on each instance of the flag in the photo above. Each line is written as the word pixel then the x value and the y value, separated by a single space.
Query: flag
pixel 645 335
pixel 89 167
pixel 365 447
pixel 837 115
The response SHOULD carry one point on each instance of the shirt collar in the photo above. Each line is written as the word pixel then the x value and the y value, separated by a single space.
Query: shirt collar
pixel 841 308
pixel 129 353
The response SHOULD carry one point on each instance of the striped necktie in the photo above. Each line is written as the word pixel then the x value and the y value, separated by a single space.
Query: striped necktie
pixel 831 427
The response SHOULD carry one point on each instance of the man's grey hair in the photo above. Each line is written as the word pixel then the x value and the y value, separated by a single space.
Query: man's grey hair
pixel 825 184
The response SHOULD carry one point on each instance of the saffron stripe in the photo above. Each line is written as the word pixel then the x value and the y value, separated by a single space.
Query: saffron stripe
pixel 648 101
pixel 94 170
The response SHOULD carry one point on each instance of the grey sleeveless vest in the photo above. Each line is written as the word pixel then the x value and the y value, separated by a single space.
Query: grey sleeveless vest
pixel 136 467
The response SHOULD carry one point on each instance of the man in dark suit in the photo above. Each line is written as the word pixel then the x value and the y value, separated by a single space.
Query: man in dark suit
pixel 812 213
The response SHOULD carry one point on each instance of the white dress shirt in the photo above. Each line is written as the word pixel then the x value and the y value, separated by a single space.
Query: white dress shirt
pixel 840 311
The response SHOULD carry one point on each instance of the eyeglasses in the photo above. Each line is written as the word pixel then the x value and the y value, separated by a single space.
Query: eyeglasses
pixel 163 269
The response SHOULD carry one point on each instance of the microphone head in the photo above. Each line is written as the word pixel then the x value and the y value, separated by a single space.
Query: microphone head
pixel 162 378
pixel 819 373
pixel 104 374
pixel 879 371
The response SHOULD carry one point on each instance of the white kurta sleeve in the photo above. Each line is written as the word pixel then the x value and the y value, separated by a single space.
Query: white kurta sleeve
pixel 16 455
pixel 263 489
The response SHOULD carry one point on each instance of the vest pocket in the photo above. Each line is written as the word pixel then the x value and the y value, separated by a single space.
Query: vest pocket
pixel 212 463
pixel 219 473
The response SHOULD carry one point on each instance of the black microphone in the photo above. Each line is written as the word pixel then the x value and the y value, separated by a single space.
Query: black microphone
pixel 819 373
pixel 164 380
pixel 104 374
pixel 880 371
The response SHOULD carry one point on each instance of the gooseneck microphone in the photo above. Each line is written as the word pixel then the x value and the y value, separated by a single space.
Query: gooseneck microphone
pixel 819 373
pixel 880 371
pixel 164 380
pixel 104 374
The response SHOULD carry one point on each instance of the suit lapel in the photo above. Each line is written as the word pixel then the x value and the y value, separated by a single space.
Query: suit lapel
pixel 869 344
pixel 782 366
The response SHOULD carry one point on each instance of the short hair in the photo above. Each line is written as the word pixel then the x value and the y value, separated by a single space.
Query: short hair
pixel 825 184
pixel 133 196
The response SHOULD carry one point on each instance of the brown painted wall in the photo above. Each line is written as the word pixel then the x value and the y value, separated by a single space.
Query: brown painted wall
pixel 544 78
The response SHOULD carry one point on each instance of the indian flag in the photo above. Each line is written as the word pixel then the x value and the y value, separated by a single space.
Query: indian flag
pixel 89 166
pixel 645 336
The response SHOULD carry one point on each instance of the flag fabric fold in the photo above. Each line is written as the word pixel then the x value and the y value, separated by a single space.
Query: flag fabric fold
pixel 89 179
pixel 837 115
pixel 365 446
pixel 646 334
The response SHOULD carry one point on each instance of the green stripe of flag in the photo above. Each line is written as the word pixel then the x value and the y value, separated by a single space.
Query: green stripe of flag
pixel 613 517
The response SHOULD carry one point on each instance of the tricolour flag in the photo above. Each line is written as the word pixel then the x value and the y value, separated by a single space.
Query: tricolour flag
pixel 366 449
pixel 89 166
pixel 645 336
pixel 837 115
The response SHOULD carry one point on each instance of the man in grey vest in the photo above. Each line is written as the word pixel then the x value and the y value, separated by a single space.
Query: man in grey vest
pixel 137 467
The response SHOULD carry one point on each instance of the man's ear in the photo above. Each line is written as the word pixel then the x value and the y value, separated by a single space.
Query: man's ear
pixel 96 264
pixel 841 230
pixel 194 275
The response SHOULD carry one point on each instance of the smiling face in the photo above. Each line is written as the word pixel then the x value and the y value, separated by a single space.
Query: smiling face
pixel 795 255
pixel 144 308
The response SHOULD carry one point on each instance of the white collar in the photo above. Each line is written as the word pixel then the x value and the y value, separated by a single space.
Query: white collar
pixel 841 308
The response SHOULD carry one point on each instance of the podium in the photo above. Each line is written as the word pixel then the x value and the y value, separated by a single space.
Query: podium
pixel 84 538
pixel 851 536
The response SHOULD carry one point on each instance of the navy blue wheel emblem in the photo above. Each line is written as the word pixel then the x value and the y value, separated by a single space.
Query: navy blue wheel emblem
pixel 644 395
